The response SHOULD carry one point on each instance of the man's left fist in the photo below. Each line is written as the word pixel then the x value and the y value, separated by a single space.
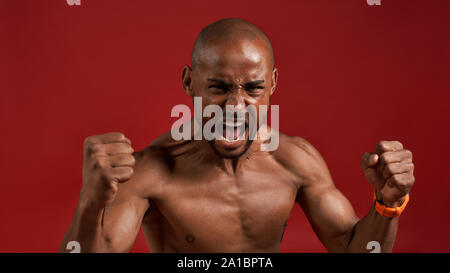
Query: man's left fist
pixel 390 171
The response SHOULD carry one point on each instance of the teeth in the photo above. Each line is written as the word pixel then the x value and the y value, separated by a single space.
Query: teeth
pixel 229 130
pixel 220 137
pixel 229 133
pixel 232 124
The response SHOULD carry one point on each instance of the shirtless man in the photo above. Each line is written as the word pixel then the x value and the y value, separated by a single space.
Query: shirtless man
pixel 225 196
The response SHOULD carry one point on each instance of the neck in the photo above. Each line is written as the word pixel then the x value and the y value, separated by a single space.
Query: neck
pixel 208 155
pixel 229 165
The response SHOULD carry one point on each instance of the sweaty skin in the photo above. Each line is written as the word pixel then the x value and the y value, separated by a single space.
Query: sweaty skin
pixel 200 196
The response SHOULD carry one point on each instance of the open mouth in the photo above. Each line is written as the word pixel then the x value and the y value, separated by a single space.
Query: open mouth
pixel 231 132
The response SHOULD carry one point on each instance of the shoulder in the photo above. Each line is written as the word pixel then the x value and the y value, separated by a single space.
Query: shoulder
pixel 302 159
pixel 152 167
pixel 161 153
pixel 155 156
pixel 296 151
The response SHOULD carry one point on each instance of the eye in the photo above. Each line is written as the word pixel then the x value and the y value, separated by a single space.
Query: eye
pixel 255 87
pixel 218 89
pixel 254 90
pixel 221 87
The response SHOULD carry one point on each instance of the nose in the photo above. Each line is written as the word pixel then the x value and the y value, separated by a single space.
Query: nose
pixel 236 99
pixel 235 104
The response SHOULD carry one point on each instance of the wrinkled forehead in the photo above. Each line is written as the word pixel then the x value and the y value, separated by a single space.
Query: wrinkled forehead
pixel 235 60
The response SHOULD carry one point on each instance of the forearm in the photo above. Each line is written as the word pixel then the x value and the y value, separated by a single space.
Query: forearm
pixel 373 227
pixel 87 229
pixel 390 171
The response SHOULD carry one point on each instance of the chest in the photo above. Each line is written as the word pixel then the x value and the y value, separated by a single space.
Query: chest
pixel 230 212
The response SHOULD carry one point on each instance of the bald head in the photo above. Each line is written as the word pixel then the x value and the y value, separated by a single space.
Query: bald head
pixel 230 31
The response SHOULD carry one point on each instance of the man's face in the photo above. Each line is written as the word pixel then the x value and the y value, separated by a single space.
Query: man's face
pixel 236 74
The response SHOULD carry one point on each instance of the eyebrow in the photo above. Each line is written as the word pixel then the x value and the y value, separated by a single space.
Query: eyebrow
pixel 247 83
pixel 219 81
pixel 254 82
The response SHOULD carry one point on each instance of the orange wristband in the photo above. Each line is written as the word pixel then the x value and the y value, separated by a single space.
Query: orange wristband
pixel 387 211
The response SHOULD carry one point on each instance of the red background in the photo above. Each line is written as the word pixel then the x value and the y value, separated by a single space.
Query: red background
pixel 350 75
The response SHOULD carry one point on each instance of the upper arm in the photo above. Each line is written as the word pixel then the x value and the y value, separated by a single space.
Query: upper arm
pixel 329 212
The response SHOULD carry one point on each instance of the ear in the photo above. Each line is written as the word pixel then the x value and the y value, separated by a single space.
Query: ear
pixel 274 80
pixel 186 80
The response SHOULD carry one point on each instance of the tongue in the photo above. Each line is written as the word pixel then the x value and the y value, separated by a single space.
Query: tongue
pixel 230 133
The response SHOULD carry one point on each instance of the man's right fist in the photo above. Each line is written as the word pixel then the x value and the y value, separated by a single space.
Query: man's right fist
pixel 108 160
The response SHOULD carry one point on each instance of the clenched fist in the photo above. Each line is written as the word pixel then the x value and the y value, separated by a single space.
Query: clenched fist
pixel 108 160
pixel 390 171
